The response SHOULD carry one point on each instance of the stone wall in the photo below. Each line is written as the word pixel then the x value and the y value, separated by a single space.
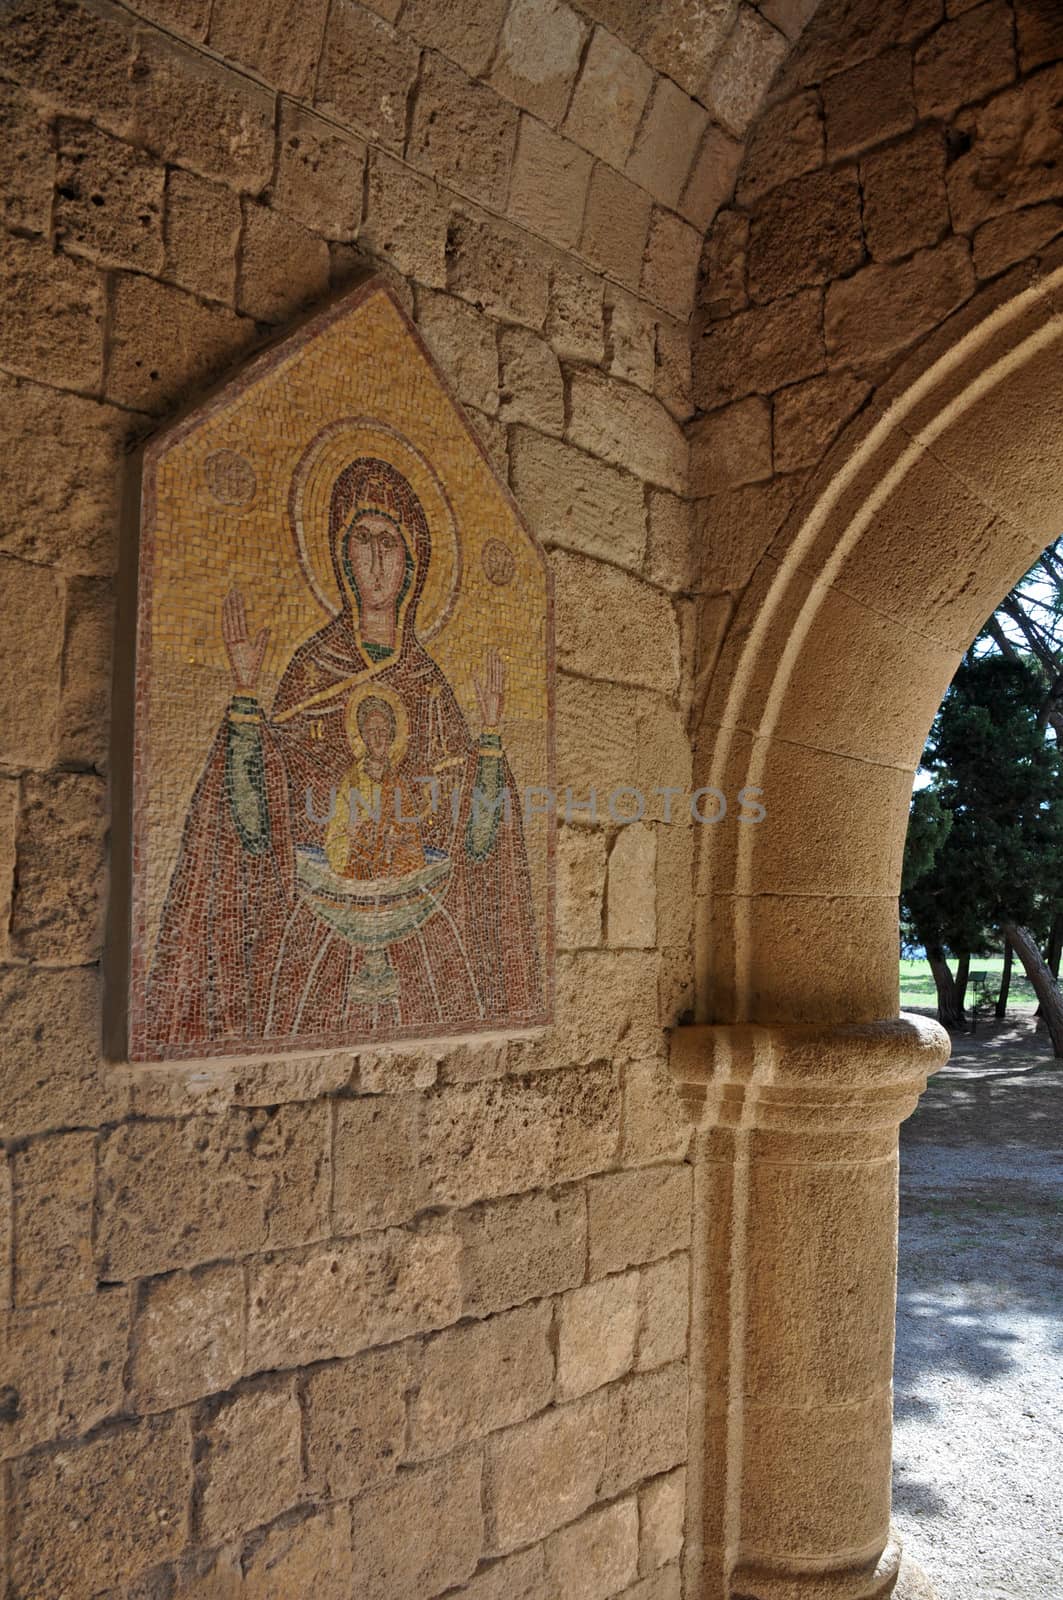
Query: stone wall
pixel 413 1321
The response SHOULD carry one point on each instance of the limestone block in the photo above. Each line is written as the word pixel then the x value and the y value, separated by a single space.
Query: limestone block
pixel 545 1472
pixel 871 28
pixel 637 1216
pixel 731 446
pixel 807 231
pixel 785 142
pixel 462 134
pixel 575 318
pixel 675 877
pixel 210 1186
pixel 406 222
pixel 789 16
pixel 538 56
pixel 108 199
pixel 283 267
pixel 581 856
pixel 466 346
pixel 516 1577
pixel 808 417
pixel 743 70
pixel 394 1071
pixel 51 1075
pixel 662 1512
pixel 656 1128
pixel 29 663
pixel 379 1180
pixel 188 1337
pixel 613 626
pixel 646 1427
pixel 27 163
pixel 722 283
pixel 1039 29
pixel 313 1556
pixel 97 1514
pixel 712 177
pixel 53 315
pixel 354 1419
pixel 868 104
pixel 202 230
pixel 486 1139
pixel 1015 155
pixel 882 309
pixel 62 1369
pixel 667 1584
pixel 474 1060
pixel 965 59
pixel 320 173
pixel 664 1314
pixel 466 31
pixel 341 1299
pixel 669 270
pixel 632 340
pixel 760 350
pixel 498 270
pixel 190 109
pixel 46 47
pixel 672 377
pixel 1003 241
pixel 187 18
pixel 736 529
pixel 281 42
pixel 6 1235
pixel 9 803
pixel 610 738
pixel 85 706
pixel 597 1326
pixel 54 1181
pixel 548 192
pixel 666 143
pixel 682 39
pixel 521 1248
pixel 247 1461
pixel 585 1107
pixel 572 500
pixel 610 97
pixel 60 893
pixel 366 73
pixel 530 387
pixel 164 344
pixel 479 1377
pixel 495 440
pixel 419 1534
pixel 616 225
pixel 631 907
pixel 597 1556
pixel 628 428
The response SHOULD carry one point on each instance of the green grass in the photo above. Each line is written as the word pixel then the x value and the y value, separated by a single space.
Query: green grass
pixel 917 983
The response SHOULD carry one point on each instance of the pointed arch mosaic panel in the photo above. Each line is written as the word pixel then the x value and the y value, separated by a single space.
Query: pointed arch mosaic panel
pixel 343 713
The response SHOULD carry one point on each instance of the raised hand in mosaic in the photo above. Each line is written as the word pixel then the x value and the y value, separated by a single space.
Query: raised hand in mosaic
pixel 245 656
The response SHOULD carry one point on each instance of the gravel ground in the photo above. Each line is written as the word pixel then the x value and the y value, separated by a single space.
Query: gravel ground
pixel 978 1449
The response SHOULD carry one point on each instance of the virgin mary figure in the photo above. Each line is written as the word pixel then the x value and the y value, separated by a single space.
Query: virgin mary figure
pixel 351 865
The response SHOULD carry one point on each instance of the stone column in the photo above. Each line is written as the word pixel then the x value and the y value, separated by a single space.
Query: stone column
pixel 794 1300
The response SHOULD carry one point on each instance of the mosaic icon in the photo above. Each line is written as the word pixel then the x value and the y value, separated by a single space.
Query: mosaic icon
pixel 343 703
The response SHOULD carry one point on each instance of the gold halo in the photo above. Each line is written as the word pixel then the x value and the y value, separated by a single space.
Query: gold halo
pixel 321 463
pixel 377 691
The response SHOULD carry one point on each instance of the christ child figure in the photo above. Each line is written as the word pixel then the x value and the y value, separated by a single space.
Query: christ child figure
pixel 374 831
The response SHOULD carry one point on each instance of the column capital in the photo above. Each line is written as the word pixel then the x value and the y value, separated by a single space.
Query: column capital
pixel 860 1075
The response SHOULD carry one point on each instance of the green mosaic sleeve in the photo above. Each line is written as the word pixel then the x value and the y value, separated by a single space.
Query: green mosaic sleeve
pixel 488 800
pixel 245 775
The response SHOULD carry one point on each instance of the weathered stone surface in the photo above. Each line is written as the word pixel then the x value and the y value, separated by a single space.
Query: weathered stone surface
pixel 487 1139
pixel 731 446
pixel 312 1556
pixel 202 229
pixel 1016 152
pixel 516 1577
pixel 395 1071
pixel 667 142
pixel 632 339
pixel 809 416
pixel 164 345
pixel 341 1299
pixel 480 1377
pixel 646 1427
pixel 466 31
pixel 883 309
pixel 9 804
pixel 743 70
pixel 871 26
pixel 669 270
pixel 597 1326
pixel 172 1194
pixel 738 527
pixel 598 1556
pixel 789 16
pixel 548 192
pixel 191 110
pixel 47 45
pixel 662 1509
pixel 366 74
pixel 188 1337
pixel 581 856
pixel 497 270
pixel 869 103
pixel 667 1584
pixel 664 1312
pixel 51 1075
pixel 463 134
pixel 247 1461
pixel 1039 28
pixel 637 1216
pixel 712 177
pixel 96 1515
pixel 585 1108
pixel 354 1418
pixel 62 1369
pixel 280 41
pixel 29 662
pixel 544 1473
pixel 283 267
pixel 441 1505
pixel 57 915
pixel 631 906
pixel 53 315
pixel 320 173
pixel 904 199
pixel 494 438
pixel 85 706
pixel 609 99
pixel 466 346
pixel 681 39
pixel 670 551
pixel 530 387
pixel 27 163
pixel 6 1235
pixel 1003 241
pixel 54 1181
pixel 187 18
pixel 521 1248
pixel 760 350
pixel 108 199
pixel 574 501
pixel 965 59
pixel 672 376
pixel 406 222
pixel 785 142
pixel 722 280
pixel 626 427
pixel 538 56
pixel 610 737
pixel 613 626
pixel 807 231
pixel 575 318
pixel 616 225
